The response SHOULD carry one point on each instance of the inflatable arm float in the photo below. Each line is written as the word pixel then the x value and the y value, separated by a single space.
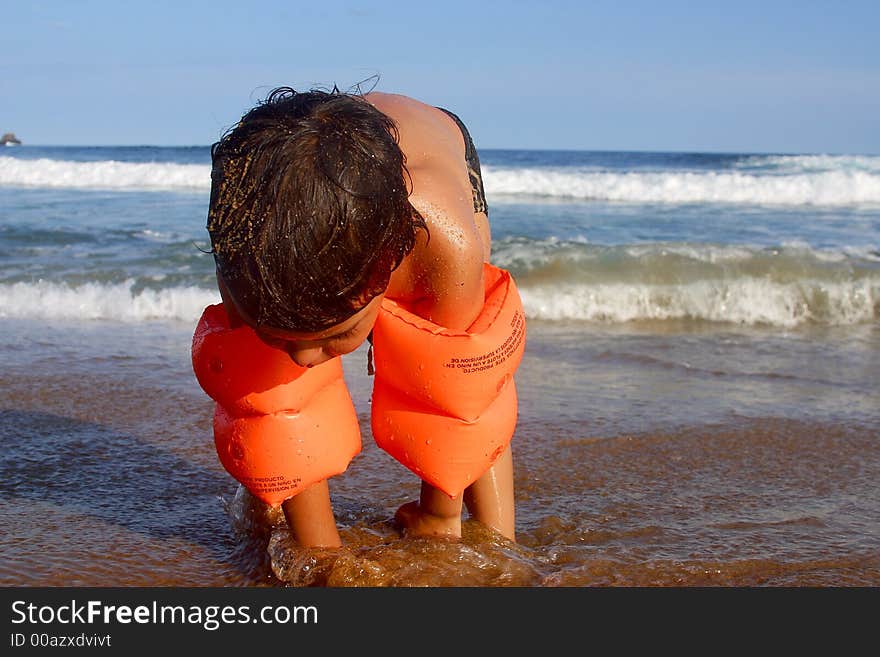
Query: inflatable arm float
pixel 278 427
pixel 444 402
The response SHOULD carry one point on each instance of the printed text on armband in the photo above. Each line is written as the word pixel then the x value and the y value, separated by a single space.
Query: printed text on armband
pixel 495 357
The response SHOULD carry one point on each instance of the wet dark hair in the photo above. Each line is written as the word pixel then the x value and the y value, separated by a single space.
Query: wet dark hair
pixel 309 210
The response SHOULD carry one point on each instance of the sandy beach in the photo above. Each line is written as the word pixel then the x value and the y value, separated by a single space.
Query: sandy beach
pixel 626 475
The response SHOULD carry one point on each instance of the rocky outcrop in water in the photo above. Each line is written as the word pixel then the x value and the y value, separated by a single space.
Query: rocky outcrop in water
pixel 9 139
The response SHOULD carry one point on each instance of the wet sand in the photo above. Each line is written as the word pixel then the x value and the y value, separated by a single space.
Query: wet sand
pixel 678 458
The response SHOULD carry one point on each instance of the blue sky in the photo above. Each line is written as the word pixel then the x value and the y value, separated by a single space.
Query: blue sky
pixel 768 76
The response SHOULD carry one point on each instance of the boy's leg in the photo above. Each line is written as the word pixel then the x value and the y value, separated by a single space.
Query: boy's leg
pixel 490 499
pixel 310 517
pixel 435 514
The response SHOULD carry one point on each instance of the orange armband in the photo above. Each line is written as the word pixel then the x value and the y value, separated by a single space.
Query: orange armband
pixel 444 401
pixel 278 427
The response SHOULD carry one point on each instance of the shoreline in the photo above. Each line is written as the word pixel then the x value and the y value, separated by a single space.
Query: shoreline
pixel 631 468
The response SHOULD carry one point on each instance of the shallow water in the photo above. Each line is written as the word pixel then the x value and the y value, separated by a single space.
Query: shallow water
pixel 686 456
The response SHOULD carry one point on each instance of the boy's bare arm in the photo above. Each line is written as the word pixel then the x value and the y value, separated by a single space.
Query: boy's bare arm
pixel 450 266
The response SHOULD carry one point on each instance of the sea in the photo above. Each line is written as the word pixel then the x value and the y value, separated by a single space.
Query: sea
pixel 698 401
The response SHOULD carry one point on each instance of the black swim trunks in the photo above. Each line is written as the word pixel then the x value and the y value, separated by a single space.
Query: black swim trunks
pixel 473 165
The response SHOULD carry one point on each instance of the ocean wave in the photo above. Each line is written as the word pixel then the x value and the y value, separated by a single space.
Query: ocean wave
pixel 835 187
pixel 760 180
pixel 783 286
pixel 747 301
pixel 106 174
pixel 102 301
pixel 529 256
pixel 812 163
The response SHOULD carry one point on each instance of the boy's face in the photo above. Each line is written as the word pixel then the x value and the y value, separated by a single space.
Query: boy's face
pixel 309 349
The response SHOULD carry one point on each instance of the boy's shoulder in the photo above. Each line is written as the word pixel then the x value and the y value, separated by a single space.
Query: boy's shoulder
pixel 427 135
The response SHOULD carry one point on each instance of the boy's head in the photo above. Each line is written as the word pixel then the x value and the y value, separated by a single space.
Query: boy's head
pixel 309 210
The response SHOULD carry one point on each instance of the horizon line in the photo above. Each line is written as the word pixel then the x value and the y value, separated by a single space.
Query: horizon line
pixel 500 148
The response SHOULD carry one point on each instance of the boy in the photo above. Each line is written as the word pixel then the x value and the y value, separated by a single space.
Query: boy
pixel 324 204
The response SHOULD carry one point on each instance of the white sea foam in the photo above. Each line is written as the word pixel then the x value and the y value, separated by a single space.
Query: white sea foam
pixel 836 187
pixel 106 174
pixel 785 180
pixel 782 286
pixel 120 301
pixel 750 301
pixel 744 300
